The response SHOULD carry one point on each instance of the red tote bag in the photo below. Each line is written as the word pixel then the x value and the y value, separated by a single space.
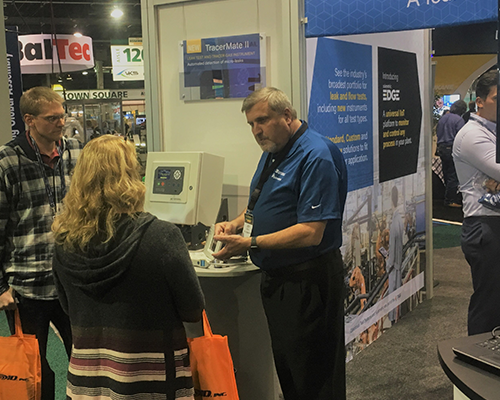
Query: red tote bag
pixel 20 367
pixel 212 365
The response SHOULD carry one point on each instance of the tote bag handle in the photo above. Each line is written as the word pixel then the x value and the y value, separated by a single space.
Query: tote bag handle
pixel 207 330
pixel 19 328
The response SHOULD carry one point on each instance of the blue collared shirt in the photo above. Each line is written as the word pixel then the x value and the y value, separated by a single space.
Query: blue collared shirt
pixel 309 185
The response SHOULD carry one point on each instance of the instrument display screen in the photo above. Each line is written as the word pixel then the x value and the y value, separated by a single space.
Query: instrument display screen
pixel 163 173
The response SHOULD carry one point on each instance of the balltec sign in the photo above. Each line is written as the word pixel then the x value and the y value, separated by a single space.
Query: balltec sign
pixel 40 54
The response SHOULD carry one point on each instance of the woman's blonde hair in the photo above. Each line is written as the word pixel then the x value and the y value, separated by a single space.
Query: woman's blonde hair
pixel 105 185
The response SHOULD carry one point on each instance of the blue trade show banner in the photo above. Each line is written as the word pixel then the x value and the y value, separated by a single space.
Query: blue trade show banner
pixel 347 17
pixel 340 105
pixel 14 79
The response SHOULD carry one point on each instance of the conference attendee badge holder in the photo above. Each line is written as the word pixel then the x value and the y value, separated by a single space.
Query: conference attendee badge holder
pixel 248 225
pixel 48 188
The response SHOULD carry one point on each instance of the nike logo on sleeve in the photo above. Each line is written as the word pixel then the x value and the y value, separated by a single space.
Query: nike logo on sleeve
pixel 313 207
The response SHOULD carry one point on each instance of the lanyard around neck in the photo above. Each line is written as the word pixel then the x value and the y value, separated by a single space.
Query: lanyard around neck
pixel 48 188
pixel 276 161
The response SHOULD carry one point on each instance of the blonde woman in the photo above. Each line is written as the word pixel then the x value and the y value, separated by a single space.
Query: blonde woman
pixel 126 281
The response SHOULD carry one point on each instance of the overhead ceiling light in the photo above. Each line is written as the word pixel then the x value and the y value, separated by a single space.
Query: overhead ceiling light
pixel 85 72
pixel 77 34
pixel 116 13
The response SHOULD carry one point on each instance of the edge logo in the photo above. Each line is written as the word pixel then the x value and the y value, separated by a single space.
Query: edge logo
pixel 208 393
pixel 390 95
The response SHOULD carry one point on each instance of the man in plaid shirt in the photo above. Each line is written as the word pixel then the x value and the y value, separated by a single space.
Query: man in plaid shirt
pixel 35 169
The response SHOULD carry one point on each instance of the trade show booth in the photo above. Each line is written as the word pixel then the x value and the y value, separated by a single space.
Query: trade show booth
pixel 368 92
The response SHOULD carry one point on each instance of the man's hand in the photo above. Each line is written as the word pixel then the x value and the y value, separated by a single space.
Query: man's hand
pixel 7 301
pixel 224 228
pixel 235 245
pixel 491 185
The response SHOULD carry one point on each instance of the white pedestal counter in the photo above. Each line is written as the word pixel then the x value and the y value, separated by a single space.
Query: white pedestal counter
pixel 234 309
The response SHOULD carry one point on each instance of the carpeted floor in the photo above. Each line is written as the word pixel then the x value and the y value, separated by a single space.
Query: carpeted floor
pixel 445 235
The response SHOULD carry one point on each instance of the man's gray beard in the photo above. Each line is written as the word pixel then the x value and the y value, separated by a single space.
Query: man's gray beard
pixel 273 148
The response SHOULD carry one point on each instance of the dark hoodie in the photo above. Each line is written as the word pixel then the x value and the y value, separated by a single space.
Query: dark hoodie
pixel 103 266
pixel 130 295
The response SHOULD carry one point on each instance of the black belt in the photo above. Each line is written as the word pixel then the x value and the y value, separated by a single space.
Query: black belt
pixel 303 266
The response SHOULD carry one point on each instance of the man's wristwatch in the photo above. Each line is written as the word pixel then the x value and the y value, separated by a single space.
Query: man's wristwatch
pixel 253 243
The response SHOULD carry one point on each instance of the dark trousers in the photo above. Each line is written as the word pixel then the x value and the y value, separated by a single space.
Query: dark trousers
pixel 451 194
pixel 305 313
pixel 481 246
pixel 36 316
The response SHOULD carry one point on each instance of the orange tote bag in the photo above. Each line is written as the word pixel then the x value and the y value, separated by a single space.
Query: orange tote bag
pixel 20 367
pixel 212 365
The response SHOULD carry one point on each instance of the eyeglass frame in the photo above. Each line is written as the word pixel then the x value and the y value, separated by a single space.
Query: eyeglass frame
pixel 52 119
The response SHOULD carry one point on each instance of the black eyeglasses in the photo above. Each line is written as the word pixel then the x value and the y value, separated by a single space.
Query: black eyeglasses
pixel 52 119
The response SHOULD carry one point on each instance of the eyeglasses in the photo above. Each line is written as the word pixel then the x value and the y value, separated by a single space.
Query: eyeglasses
pixel 52 119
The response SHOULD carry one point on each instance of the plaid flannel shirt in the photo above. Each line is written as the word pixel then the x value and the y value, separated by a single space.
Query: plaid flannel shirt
pixel 26 241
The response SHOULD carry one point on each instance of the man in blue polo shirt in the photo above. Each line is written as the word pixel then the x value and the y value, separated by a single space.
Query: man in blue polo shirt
pixel 292 228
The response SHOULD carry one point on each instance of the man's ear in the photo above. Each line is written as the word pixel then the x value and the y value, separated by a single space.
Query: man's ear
pixel 28 119
pixel 288 116
pixel 479 103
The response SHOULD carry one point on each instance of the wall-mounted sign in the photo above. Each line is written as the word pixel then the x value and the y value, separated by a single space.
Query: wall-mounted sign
pixel 40 54
pixel 127 62
pixel 129 94
pixel 222 67
pixel 135 41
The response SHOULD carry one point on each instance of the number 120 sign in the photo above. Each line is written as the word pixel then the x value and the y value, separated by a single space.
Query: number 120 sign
pixel 127 62
pixel 126 55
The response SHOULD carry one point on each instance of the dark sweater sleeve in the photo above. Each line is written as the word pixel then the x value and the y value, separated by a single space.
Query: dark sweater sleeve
pixel 180 274
pixel 61 294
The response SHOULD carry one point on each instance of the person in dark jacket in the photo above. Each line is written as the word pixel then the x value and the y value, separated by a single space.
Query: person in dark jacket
pixel 126 281
pixel 446 130
pixel 471 110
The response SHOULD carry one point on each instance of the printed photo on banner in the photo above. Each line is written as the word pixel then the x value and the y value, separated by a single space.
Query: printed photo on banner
pixel 384 231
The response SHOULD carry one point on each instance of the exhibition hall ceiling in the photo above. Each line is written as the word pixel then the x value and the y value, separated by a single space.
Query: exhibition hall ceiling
pixel 88 17
pixel 91 18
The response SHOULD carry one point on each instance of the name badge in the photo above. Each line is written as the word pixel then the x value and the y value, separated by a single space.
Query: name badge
pixel 248 225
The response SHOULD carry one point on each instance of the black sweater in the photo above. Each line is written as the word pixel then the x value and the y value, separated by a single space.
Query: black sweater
pixel 126 297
